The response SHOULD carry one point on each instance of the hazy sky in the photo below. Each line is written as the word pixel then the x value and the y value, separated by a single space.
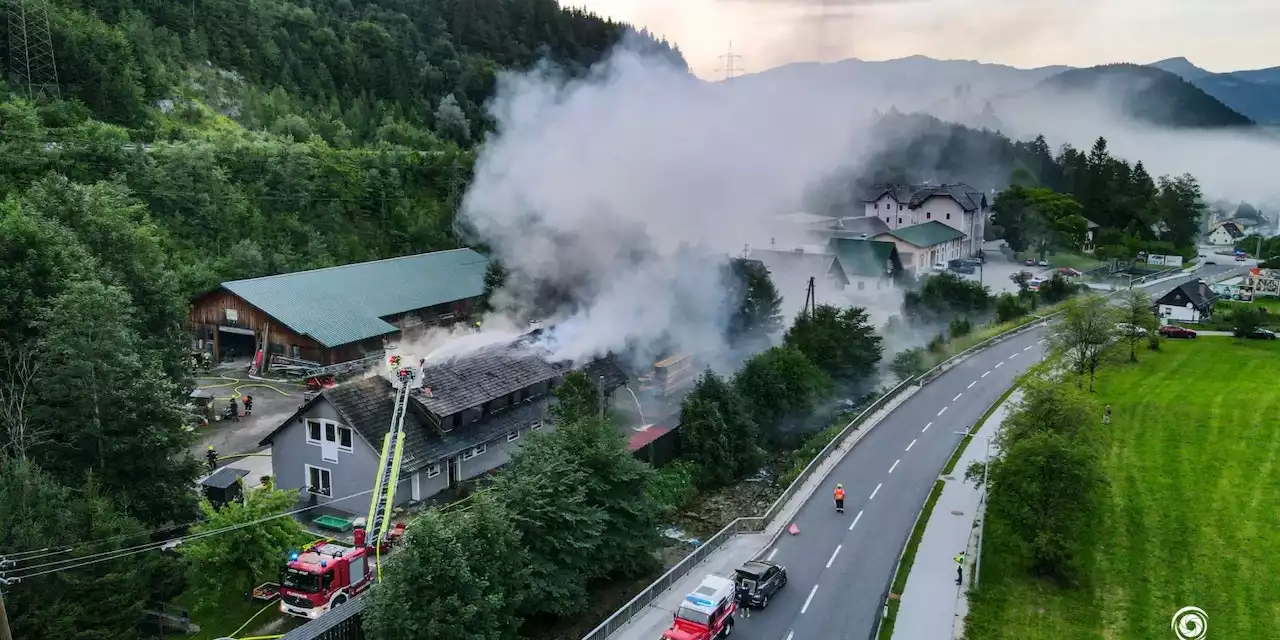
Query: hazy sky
pixel 1219 35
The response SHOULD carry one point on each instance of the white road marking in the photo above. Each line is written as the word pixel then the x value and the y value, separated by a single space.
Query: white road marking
pixel 809 599
pixel 971 384
pixel 875 491
pixel 1029 348
pixel 926 427
pixel 1040 341
pixel 772 554
pixel 895 465
pixel 913 443
pixel 942 411
pixel 987 373
pixel 999 364
pixel 855 521
pixel 957 396
pixel 833 556
pixel 790 634
pixel 1013 356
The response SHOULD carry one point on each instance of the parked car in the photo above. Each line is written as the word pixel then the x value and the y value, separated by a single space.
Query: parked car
pixel 1042 263
pixel 758 580
pixel 1262 334
pixel 1130 330
pixel 1068 272
pixel 1030 262
pixel 1174 331
pixel 960 267
pixel 939 266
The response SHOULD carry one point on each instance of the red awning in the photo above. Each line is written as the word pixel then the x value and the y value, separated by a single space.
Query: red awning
pixel 639 439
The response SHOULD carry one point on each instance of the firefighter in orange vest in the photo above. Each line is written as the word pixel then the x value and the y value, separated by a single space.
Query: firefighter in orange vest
pixel 840 498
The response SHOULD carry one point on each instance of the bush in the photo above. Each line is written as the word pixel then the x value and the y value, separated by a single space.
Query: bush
pixel 1246 321
pixel 1009 308
pixel 960 327
pixel 813 445
pixel 908 364
pixel 674 486
pixel 1056 289
pixel 938 344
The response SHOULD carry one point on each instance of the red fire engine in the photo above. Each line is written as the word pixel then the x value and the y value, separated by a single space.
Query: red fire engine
pixel 324 576
pixel 706 613
pixel 327 574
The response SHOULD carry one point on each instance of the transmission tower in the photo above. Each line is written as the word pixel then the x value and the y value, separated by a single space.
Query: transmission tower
pixel 731 68
pixel 31 65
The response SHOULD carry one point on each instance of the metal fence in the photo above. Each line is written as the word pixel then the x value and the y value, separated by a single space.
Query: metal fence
pixel 761 523
pixel 342 623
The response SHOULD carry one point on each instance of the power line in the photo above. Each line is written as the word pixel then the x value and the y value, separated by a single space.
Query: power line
pixel 107 556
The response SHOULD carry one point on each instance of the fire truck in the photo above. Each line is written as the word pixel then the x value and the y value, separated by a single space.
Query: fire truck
pixel 327 574
pixel 706 613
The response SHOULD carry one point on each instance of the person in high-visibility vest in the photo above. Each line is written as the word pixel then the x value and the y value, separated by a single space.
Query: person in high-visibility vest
pixel 959 567
pixel 840 498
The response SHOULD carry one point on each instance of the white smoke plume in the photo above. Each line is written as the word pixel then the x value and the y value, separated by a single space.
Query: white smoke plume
pixel 627 190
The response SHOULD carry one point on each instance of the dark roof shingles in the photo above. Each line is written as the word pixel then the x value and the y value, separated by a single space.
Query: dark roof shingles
pixel 913 196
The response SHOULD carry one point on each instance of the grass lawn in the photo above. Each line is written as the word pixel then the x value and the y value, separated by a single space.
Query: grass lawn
pixel 1062 259
pixel 1193 512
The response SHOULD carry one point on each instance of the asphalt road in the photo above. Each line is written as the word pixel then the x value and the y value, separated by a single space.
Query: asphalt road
pixel 839 564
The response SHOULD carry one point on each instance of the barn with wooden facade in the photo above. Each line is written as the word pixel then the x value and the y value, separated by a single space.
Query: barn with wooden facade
pixel 337 314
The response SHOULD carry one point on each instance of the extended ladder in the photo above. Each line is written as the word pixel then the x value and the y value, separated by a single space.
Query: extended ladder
pixel 405 380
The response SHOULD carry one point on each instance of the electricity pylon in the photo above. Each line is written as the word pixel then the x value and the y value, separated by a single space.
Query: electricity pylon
pixel 32 69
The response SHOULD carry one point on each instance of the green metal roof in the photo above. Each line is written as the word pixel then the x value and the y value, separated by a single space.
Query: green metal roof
pixel 927 235
pixel 867 258
pixel 341 305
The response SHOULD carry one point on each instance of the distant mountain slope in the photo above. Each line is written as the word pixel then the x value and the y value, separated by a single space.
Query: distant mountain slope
pixel 1149 94
pixel 1255 94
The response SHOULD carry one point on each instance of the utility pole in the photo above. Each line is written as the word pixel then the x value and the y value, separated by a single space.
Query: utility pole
pixel 32 68
pixel 731 69
pixel 5 634
pixel 810 300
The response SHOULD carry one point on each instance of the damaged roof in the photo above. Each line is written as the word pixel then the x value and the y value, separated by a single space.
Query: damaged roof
pixel 477 378
pixel 337 305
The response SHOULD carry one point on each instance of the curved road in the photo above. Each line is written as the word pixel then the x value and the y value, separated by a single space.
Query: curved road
pixel 839 564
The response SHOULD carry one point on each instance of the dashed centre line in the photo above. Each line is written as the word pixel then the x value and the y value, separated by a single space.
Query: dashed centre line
pixel 926 427
pixel 809 599
pixel 1013 356
pixel 1028 348
pixel 944 410
pixel 971 384
pixel 875 491
pixel 999 364
pixel 895 465
pixel 987 373
pixel 790 635
pixel 855 521
pixel 957 396
pixel 833 556
pixel 913 443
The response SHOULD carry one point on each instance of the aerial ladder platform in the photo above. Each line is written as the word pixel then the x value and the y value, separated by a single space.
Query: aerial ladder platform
pixel 405 376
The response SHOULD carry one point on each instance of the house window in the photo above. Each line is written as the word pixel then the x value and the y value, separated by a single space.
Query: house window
pixel 433 470
pixel 861 285
pixel 320 431
pixel 899 220
pixel 513 436
pixel 295 350
pixel 928 215
pixel 474 451
pixel 886 219
pixel 319 481
pixel 472 415
pixel 948 216
pixel 899 207
pixel 535 426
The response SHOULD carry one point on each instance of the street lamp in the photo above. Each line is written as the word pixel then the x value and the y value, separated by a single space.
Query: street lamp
pixel 986 466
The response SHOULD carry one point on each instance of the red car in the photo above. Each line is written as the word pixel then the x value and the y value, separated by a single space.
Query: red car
pixel 1174 331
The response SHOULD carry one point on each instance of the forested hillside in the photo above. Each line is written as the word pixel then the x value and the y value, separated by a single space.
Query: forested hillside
pixel 1145 93
pixel 197 142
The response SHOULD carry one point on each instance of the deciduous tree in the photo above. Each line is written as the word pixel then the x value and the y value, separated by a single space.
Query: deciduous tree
pixel 1135 314
pixel 717 431
pixel 238 559
pixel 755 312
pixel 1086 330
pixel 778 384
pixel 841 342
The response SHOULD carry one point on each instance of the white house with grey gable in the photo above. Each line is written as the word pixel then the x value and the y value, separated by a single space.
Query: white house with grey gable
pixel 959 206
pixel 465 421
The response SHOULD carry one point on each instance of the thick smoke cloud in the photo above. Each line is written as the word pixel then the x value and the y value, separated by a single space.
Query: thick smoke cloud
pixel 620 195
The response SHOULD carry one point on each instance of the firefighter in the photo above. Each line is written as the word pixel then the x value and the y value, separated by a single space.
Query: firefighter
pixel 248 404
pixel 959 567
pixel 233 411
pixel 212 457
pixel 839 498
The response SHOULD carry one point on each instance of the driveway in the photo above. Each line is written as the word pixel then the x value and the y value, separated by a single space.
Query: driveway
pixel 273 403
